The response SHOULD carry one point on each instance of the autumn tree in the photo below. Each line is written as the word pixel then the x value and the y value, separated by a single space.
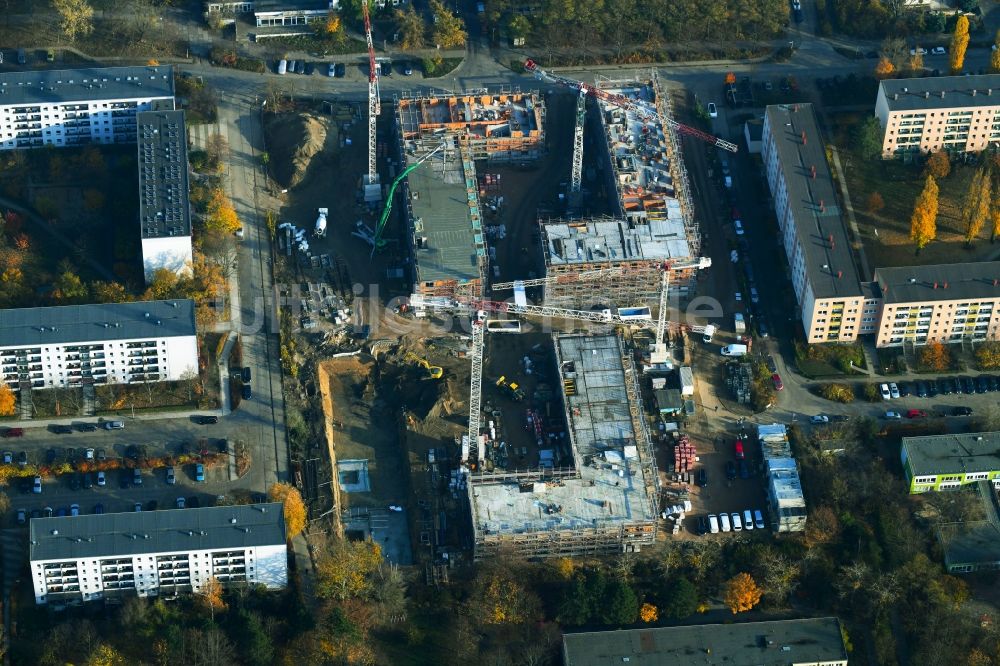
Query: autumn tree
pixel 995 60
pixel 923 223
pixel 935 356
pixel 648 613
pixel 332 26
pixel 894 50
pixel 874 203
pixel 216 149
pixel 69 288
pixel 939 164
pixel 959 43
pixel 977 204
pixel 106 655
pixel 210 596
pixel 109 292
pixel 8 401
pixel 344 569
pixel 220 214
pixel 987 357
pixel 499 598
pixel 995 215
pixel 916 61
pixel 295 508
pixel 742 593
pixel 449 30
pixel 76 17
pixel 884 68
pixel 411 28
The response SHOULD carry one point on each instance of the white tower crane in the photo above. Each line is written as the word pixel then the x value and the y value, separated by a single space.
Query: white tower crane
pixel 372 189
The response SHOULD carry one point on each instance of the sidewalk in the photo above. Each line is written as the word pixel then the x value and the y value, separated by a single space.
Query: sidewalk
pixel 124 415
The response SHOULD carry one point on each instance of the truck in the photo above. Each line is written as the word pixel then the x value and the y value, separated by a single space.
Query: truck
pixel 734 350
pixel 633 314
pixel 739 324
pixel 321 222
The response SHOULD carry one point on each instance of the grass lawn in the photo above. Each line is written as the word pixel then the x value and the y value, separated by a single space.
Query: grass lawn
pixel 886 234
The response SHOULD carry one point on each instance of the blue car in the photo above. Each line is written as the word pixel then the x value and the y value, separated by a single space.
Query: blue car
pixel 199 473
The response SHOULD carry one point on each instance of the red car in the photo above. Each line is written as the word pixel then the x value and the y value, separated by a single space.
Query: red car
pixel 13 432
pixel 916 414
pixel 776 379
pixel 739 449
pixel 736 213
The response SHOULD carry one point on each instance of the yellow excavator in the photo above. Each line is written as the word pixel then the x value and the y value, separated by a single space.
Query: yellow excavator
pixel 434 371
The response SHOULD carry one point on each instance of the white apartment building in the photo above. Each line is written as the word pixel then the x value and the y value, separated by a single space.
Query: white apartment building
pixel 82 558
pixel 103 343
pixel 164 207
pixel 955 113
pixel 834 306
pixel 79 106
pixel 939 303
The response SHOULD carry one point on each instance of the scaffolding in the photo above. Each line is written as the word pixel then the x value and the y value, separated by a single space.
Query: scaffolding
pixel 638 250
pixel 576 173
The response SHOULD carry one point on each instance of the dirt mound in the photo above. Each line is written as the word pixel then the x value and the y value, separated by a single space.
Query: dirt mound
pixel 294 140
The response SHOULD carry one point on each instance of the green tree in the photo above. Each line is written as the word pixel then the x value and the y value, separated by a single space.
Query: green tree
pixel 254 643
pixel 620 605
pixel 411 28
pixel 519 27
pixel 76 17
pixel 680 599
pixel 923 223
pixel 868 139
pixel 579 598
pixel 69 288
pixel 449 30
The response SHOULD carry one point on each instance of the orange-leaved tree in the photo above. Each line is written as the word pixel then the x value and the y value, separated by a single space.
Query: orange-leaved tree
pixel 884 68
pixel 978 200
pixel 959 43
pixel 8 401
pixel 923 223
pixel 875 202
pixel 649 613
pixel 295 508
pixel 742 593
pixel 221 215
pixel 935 356
pixel 939 164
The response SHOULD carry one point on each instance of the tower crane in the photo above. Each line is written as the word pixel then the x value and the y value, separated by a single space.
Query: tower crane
pixel 372 191
pixel 645 111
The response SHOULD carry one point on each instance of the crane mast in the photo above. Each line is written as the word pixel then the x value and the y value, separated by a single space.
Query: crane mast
pixel 643 110
pixel 372 191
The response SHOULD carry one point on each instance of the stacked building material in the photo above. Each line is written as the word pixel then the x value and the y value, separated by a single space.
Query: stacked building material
pixel 684 455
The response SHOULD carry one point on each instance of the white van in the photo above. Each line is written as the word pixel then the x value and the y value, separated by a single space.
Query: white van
pixel 747 519
pixel 724 519
pixel 734 350
pixel 737 523
pixel 282 66
pixel 713 523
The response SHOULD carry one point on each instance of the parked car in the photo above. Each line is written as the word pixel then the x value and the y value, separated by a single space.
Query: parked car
pixel 62 429
pixel 13 432
pixel 968 385
pixel 47 512
pixel 991 383
pixel 137 507
pixel 300 67
pixel 101 455
pixel 776 380
pixel 738 226
pixel 22 516
pixel 208 419
pixel 713 111
pixel 180 502
pixel 331 70
pixel 946 385
pixel 771 365
pixel 744 468
pixel 839 418
pixel 961 411
pixel 136 476
pixel 245 375
pixel 754 295
pixel 37 485
pixel 893 390
pixel 758 519
pixel 114 425
pixel 385 69
pixel 747 519
pixel 340 70
pixel 921 51
pixel 282 66
pixel 74 481
pixel 8 457
pixel 102 479
pixel 407 68
pixel 98 508
pixel 171 476
pixel 932 388
pixel 74 509
pixel 938 50
pixel 86 427
pixel 199 473
pixel 819 418
pixel 916 414
pixel 737 522
pixel 62 511
pixel 892 416
pixel 982 384
pixel 702 477
pixel 730 470
pixel 702 525
pixel 921 390
pixel 88 454
pixel 88 482
pixel 883 389
pixel 904 389
pixel 738 446
pixel 247 393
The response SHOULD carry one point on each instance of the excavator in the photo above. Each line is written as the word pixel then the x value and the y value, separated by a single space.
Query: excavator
pixel 514 392
pixel 433 371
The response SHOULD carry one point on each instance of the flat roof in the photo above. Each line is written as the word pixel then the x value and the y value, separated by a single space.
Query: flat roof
pixel 609 240
pixel 926 93
pixel 814 225
pixel 611 486
pixel 173 530
pixel 290 5
pixel 56 86
pixel 65 324
pixel 441 211
pixel 940 282
pixel 164 209
pixel 493 115
pixel 961 453
pixel 775 643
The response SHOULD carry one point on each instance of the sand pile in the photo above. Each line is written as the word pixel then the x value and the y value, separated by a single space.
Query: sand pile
pixel 294 141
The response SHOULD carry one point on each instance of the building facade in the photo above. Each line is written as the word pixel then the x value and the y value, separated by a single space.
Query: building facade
pixel 939 303
pixel 802 642
pixel 79 106
pixel 164 207
pixel 268 13
pixel 945 462
pixel 832 301
pixel 83 558
pixel 960 114
pixel 105 343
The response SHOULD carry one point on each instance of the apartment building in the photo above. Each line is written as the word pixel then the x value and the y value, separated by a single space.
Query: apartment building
pixel 795 642
pixel 79 106
pixel 164 208
pixel 945 462
pixel 959 114
pixel 82 558
pixel 942 303
pixel 834 305
pixel 104 343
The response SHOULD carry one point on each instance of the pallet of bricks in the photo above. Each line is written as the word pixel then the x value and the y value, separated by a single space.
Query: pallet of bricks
pixel 684 457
